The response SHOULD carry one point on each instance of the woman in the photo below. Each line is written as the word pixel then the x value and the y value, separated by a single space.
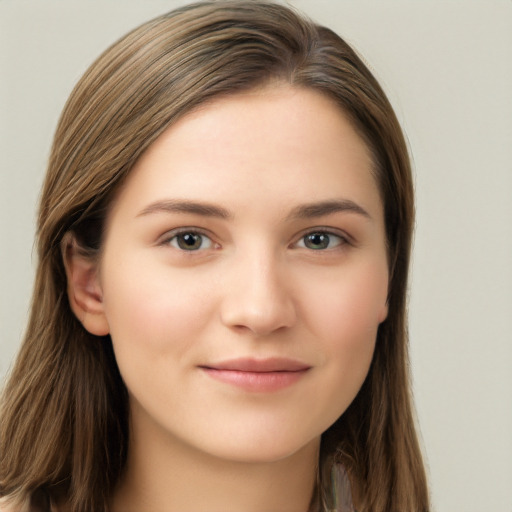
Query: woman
pixel 218 320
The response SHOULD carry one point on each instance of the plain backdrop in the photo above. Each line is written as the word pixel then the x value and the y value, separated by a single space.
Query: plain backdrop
pixel 447 68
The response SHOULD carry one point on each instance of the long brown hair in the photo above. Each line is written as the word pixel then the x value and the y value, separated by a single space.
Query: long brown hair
pixel 64 411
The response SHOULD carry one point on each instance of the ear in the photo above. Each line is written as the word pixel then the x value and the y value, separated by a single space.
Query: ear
pixel 383 313
pixel 83 287
pixel 384 309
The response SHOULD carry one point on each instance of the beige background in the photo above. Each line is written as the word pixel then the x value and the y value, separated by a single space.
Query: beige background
pixel 447 67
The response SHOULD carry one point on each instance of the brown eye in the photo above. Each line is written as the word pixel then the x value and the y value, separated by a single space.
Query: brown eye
pixel 190 241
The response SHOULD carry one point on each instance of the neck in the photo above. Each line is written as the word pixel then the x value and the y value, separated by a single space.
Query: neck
pixel 175 477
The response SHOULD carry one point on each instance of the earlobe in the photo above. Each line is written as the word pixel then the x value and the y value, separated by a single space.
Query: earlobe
pixel 83 287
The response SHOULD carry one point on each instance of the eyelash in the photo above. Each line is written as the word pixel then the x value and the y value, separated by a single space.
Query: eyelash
pixel 172 239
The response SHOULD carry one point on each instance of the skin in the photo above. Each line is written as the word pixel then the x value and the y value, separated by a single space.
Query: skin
pixel 254 287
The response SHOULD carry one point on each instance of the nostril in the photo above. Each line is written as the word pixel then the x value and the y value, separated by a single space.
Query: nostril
pixel 244 314
pixel 256 297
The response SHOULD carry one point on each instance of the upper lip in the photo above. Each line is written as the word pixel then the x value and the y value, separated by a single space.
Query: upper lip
pixel 273 364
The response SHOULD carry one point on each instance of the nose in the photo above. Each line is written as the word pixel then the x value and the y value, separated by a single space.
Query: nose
pixel 257 297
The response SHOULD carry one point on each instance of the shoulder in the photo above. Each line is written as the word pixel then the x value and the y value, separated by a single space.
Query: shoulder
pixel 342 489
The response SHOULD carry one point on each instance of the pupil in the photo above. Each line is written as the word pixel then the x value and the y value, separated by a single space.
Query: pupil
pixel 318 241
pixel 189 241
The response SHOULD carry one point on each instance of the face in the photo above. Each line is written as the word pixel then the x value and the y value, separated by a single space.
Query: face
pixel 244 275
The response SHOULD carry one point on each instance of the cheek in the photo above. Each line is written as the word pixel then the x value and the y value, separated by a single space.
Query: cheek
pixel 349 306
pixel 153 313
pixel 346 315
pixel 350 326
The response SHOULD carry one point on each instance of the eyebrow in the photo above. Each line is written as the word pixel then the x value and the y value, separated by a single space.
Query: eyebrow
pixel 181 206
pixel 322 208
pixel 306 211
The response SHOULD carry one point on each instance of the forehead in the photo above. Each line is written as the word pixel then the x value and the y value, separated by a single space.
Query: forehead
pixel 274 143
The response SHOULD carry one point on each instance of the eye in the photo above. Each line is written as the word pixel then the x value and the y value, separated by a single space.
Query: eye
pixel 321 240
pixel 190 241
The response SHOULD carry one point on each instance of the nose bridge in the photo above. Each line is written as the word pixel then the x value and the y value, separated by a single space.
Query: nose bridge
pixel 257 296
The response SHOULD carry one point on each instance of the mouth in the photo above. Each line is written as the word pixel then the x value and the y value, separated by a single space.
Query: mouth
pixel 257 375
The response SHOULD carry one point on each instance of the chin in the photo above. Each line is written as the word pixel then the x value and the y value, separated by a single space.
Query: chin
pixel 263 449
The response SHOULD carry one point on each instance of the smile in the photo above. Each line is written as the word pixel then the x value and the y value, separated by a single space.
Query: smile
pixel 258 376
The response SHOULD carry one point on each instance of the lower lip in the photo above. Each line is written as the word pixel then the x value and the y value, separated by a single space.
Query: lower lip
pixel 258 382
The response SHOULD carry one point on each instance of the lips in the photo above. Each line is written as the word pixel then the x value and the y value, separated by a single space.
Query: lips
pixel 257 375
pixel 260 365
